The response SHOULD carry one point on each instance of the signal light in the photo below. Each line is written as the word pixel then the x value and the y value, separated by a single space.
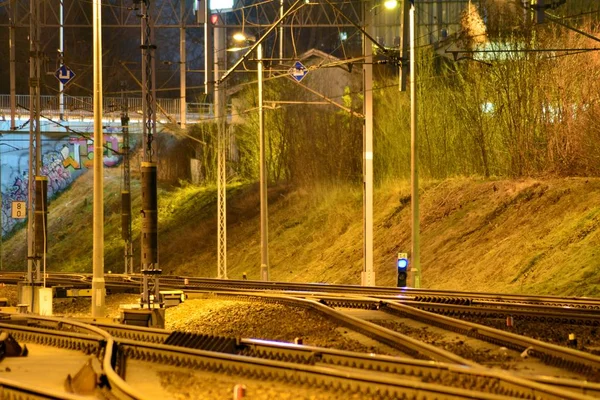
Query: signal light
pixel 402 265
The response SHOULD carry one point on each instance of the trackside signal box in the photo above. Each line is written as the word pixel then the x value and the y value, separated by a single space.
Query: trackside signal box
pixel 402 266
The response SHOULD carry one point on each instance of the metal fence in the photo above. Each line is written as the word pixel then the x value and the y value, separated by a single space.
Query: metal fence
pixel 75 107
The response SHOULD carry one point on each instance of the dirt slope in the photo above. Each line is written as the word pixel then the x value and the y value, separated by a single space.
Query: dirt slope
pixel 529 236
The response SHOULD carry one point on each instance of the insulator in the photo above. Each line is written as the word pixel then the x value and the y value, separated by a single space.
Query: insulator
pixel 125 215
pixel 149 216
pixel 41 215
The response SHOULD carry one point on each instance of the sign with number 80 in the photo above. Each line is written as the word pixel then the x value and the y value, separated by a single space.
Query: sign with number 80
pixel 19 211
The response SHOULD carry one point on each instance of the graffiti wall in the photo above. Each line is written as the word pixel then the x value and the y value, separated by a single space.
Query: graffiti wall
pixel 63 160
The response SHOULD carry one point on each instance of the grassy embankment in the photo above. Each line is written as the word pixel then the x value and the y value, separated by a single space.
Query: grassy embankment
pixel 528 236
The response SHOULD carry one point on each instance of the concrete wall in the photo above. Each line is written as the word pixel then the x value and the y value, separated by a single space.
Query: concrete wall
pixel 64 158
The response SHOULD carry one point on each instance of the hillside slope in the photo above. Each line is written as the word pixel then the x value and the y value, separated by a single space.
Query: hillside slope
pixel 528 236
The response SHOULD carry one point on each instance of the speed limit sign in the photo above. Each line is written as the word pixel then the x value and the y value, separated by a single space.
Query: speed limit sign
pixel 19 211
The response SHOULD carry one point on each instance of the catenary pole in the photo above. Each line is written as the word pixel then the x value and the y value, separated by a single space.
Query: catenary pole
pixel 264 217
pixel 98 285
pixel 368 274
pixel 414 157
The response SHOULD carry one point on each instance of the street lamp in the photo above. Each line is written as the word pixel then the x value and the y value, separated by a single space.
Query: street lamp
pixel 408 32
pixel 264 242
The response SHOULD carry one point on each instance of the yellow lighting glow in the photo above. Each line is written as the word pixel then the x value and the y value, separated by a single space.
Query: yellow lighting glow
pixel 390 4
pixel 239 37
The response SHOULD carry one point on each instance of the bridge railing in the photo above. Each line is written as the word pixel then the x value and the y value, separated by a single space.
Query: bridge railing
pixel 80 107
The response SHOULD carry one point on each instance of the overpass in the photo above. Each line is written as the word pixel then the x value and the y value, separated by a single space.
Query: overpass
pixel 77 116
pixel 67 148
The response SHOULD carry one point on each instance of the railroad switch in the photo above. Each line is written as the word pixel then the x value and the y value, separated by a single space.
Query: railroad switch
pixel 572 342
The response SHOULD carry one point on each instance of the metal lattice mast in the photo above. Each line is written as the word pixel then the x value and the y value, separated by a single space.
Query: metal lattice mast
pixel 33 258
pixel 126 192
pixel 222 205
pixel 149 235
pixel 219 66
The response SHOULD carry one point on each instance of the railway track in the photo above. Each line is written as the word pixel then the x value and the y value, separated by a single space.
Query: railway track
pixel 459 377
pixel 131 283
pixel 397 302
pixel 324 369
pixel 585 364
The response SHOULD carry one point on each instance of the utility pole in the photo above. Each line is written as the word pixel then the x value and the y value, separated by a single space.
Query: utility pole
pixel 12 67
pixel 264 211
pixel 281 32
pixel 98 284
pixel 221 119
pixel 415 268
pixel 182 67
pixel 126 193
pixel 61 54
pixel 368 273
pixel 34 250
pixel 150 267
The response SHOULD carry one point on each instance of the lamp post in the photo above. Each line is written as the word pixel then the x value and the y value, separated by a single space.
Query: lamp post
pixel 414 159
pixel 408 31
pixel 264 233
pixel 264 240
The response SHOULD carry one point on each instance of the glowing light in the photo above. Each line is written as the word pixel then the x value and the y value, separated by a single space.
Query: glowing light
pixel 221 5
pixel 390 4
pixel 239 37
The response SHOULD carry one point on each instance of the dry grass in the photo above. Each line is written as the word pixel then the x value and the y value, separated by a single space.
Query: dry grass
pixel 534 236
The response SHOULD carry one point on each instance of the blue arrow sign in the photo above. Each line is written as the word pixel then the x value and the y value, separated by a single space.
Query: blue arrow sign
pixel 64 74
pixel 298 71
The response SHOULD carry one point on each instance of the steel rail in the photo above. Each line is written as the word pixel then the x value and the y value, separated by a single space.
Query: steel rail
pixel 496 382
pixel 343 381
pixel 581 362
pixel 519 311
pixel 542 314
pixel 13 390
pixel 393 339
pixel 114 353
pixel 477 379
pixel 429 295
pixel 426 295
pixel 580 314
pixel 97 340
